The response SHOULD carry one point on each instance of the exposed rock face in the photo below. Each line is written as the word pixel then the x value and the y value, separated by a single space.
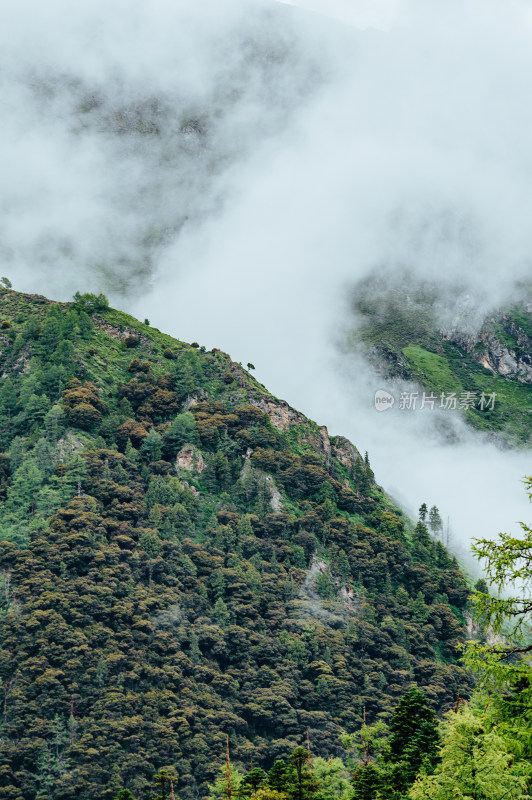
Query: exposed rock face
pixel 276 498
pixel 325 442
pixel 113 332
pixel 68 445
pixel 491 352
pixel 246 469
pixel 192 488
pixel 194 399
pixel 474 630
pixel 190 458
pixel 280 413
pixel 345 451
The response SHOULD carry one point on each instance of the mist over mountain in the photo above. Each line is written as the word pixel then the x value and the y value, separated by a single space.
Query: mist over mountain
pixel 233 170
pixel 196 577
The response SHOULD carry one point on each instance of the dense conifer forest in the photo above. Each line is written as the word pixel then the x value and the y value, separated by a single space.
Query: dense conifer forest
pixel 201 592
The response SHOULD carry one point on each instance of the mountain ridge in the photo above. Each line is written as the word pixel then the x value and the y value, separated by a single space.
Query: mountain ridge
pixel 183 558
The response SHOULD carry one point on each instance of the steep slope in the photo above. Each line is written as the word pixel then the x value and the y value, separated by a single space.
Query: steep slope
pixel 400 329
pixel 184 557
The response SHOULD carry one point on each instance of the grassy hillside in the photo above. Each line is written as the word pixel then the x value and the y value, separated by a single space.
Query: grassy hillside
pixel 400 332
pixel 183 558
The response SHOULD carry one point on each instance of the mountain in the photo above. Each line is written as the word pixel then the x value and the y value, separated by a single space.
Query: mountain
pixel 401 330
pixel 185 558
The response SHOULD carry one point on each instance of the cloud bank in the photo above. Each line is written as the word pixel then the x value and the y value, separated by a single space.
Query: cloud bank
pixel 232 170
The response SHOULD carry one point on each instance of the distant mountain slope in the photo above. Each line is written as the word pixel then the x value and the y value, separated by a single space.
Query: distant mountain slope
pixel 185 557
pixel 399 329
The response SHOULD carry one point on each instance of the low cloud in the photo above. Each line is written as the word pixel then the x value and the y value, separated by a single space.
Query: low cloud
pixel 232 170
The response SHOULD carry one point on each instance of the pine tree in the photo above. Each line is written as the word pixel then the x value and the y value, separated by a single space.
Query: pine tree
pixel 164 780
pixel 182 431
pixel 361 478
pixel 435 522
pixel 220 614
pixel 368 780
pixel 369 472
pixel 421 543
pixel 414 739
pixel 151 447
pixel 278 776
pixel 251 782
pixel 301 785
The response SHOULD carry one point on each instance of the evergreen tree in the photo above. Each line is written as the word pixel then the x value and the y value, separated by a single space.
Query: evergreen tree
pixel 369 472
pixel 435 522
pixel 251 782
pixel 421 543
pixel 151 447
pixel 220 614
pixel 182 431
pixel 278 777
pixel 164 781
pixel 368 780
pixel 505 666
pixel 475 763
pixel 361 478
pixel 301 784
pixel 414 739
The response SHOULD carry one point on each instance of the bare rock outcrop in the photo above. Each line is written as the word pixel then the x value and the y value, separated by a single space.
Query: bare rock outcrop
pixel 345 451
pixel 280 413
pixel 507 352
pixel 190 458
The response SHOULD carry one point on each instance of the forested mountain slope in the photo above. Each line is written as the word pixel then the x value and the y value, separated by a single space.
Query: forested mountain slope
pixel 184 558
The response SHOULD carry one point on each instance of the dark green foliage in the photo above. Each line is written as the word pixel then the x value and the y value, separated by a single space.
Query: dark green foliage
pixel 414 738
pixel 410 743
pixel 149 609
pixel 368 781
pixel 301 783
pixel 182 431
pixel 251 782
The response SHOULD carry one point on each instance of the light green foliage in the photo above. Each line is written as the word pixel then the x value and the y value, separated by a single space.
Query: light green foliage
pixel 334 779
pixel 226 784
pixel 220 614
pixel 475 763
pixel 506 565
pixel 505 667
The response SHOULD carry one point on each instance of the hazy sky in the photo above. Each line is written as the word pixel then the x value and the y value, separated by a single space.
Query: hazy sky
pixel 232 169
pixel 360 13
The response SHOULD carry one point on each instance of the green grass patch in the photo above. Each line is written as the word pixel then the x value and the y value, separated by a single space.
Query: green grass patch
pixel 433 370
